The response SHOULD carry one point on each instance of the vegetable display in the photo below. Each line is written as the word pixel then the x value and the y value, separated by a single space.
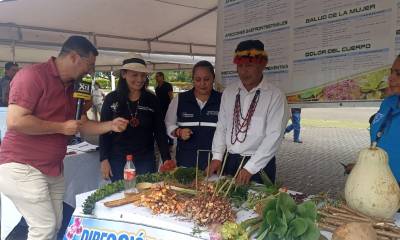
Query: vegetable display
pixel 282 219
pixel 332 217
pixel 101 193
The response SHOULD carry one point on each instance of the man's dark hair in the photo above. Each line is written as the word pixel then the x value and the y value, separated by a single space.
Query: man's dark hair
pixel 205 64
pixel 9 65
pixel 161 74
pixel 250 44
pixel 80 45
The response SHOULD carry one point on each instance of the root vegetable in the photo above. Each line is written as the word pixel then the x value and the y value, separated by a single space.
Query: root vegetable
pixel 355 231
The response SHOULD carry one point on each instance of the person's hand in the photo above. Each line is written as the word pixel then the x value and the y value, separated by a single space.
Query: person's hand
pixel 243 178
pixel 168 165
pixel 70 127
pixel 119 124
pixel 215 167
pixel 106 172
pixel 183 133
pixel 87 105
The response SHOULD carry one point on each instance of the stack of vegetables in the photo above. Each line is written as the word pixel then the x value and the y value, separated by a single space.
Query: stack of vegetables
pixel 101 193
pixel 281 219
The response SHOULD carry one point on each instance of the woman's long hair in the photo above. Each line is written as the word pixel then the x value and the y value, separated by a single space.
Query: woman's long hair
pixel 123 89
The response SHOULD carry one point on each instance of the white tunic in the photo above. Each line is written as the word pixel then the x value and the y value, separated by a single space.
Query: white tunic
pixel 266 128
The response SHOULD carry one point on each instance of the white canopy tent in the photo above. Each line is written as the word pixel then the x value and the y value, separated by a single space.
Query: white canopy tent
pixel 31 31
pixel 106 61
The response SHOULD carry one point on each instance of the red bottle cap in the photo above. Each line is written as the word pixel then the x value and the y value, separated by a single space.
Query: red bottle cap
pixel 129 157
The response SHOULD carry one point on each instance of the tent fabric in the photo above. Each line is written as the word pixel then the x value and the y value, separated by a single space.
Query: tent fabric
pixel 186 27
pixel 106 61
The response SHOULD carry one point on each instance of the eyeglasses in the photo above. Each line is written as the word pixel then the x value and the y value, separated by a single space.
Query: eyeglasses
pixel 396 71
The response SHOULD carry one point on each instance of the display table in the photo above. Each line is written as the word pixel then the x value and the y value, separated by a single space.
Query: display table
pixel 132 222
pixel 82 174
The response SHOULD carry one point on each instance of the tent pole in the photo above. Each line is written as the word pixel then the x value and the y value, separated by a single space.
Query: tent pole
pixel 112 80
pixel 13 51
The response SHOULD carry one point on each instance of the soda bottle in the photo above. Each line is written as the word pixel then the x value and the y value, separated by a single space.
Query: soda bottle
pixel 130 175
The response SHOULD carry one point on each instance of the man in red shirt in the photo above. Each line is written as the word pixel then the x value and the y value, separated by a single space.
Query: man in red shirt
pixel 40 121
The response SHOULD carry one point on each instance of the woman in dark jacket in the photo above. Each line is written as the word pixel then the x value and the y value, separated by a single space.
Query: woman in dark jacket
pixel 192 118
pixel 133 102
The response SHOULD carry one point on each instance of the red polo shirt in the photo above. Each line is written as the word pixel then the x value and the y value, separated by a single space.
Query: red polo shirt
pixel 39 89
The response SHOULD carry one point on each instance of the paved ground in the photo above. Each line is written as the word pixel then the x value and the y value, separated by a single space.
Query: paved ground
pixel 346 114
pixel 314 166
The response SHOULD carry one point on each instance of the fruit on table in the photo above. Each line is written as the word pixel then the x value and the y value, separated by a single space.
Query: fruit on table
pixel 371 187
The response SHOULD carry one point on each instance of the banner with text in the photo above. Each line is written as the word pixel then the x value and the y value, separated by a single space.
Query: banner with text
pixel 320 51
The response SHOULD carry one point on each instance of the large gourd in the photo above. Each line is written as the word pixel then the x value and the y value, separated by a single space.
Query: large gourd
pixel 371 187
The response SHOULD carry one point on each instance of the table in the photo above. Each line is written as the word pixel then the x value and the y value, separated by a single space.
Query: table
pixel 133 221
pixel 82 174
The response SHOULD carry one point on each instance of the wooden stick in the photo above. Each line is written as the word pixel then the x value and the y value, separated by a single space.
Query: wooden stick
pixel 338 216
pixel 197 169
pixel 354 211
pixel 347 212
pixel 343 217
pixel 223 186
pixel 233 179
pixel 220 174
pixel 357 213
pixel 328 227
pixel 223 164
pixel 387 234
pixel 123 201
pixel 208 162
pixel 386 228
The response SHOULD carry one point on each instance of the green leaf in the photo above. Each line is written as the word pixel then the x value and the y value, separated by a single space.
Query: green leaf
pixel 297 227
pixel 312 232
pixel 265 179
pixel 270 205
pixel 263 234
pixel 279 226
pixel 273 236
pixel 308 210
pixel 287 205
pixel 263 229
pixel 272 218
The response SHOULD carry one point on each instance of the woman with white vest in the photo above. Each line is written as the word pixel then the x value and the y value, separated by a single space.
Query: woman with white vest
pixel 192 117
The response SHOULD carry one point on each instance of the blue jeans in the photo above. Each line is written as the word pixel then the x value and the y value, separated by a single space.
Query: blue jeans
pixel 295 126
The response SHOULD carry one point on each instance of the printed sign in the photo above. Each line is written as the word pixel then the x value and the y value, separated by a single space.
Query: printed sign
pixel 82 228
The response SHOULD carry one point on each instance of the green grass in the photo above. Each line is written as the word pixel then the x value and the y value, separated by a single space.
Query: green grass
pixel 334 123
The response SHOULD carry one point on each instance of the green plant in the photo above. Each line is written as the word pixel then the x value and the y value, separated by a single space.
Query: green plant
pixel 233 231
pixel 185 175
pixel 101 193
pixel 153 177
pixel 282 219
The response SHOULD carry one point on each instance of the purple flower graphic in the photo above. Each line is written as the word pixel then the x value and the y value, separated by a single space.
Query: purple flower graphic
pixel 75 229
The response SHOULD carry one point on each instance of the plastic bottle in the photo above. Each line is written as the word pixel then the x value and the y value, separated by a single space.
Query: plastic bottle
pixel 130 175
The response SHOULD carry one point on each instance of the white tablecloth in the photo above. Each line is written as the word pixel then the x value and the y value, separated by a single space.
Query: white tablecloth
pixel 82 174
pixel 142 216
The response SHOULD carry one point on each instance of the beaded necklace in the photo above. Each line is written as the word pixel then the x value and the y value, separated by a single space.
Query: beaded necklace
pixel 243 127
pixel 134 120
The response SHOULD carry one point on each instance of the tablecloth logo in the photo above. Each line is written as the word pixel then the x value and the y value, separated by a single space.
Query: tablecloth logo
pixel 80 229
